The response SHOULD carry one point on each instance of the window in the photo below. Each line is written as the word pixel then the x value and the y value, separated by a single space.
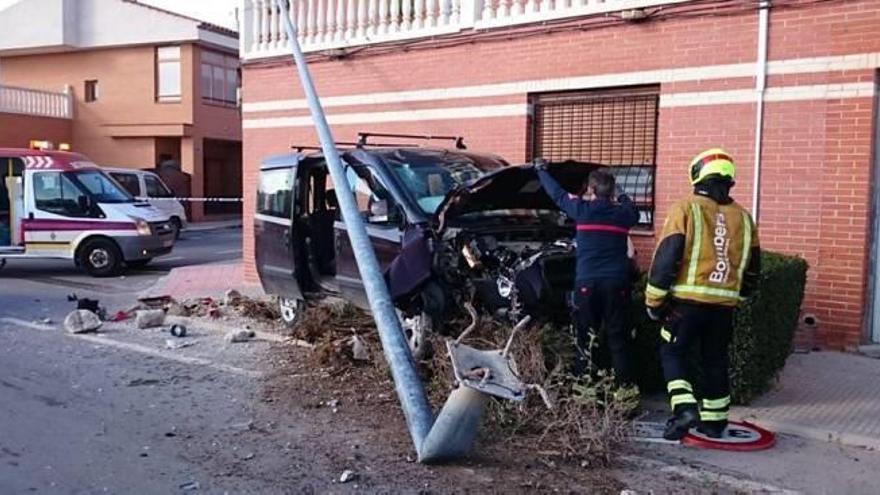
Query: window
pixel 219 78
pixel 616 128
pixel 56 193
pixel 373 200
pixel 91 90
pixel 99 187
pixel 129 182
pixel 275 193
pixel 155 187
pixel 168 73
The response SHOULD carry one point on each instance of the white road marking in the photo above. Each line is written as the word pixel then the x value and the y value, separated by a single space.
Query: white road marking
pixel 229 251
pixel 137 348
pixel 29 324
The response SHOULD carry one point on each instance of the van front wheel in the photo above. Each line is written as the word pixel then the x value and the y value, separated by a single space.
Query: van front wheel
pixel 100 258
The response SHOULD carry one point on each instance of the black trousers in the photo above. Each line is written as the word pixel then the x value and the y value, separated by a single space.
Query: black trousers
pixel 698 332
pixel 601 315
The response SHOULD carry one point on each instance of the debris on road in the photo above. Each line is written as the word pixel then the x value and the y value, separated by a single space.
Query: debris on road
pixel 239 336
pixel 82 321
pixel 190 486
pixel 92 305
pixel 231 297
pixel 359 349
pixel 178 330
pixel 46 321
pixel 347 475
pixel 178 344
pixel 150 318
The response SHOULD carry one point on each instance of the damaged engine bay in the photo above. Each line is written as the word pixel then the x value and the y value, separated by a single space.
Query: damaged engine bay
pixel 509 273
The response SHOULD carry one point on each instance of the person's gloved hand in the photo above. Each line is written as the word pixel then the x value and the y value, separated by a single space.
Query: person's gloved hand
pixel 540 164
pixel 660 312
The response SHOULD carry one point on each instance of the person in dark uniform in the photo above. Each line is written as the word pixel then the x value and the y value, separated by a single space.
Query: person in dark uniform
pixel 604 273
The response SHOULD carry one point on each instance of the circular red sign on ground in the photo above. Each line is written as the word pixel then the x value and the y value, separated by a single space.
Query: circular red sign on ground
pixel 739 436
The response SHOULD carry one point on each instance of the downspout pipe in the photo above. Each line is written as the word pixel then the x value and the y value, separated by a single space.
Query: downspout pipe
pixel 408 385
pixel 760 90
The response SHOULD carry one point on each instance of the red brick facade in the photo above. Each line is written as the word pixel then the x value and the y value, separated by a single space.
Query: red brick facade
pixel 815 189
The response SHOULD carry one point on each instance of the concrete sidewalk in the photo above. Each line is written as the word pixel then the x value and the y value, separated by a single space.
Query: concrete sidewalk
pixel 825 396
pixel 204 281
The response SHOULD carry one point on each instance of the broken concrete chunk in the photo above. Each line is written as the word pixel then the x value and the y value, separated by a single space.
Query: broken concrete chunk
pixel 239 336
pixel 359 349
pixel 150 318
pixel 347 475
pixel 82 321
pixel 177 309
pixel 231 297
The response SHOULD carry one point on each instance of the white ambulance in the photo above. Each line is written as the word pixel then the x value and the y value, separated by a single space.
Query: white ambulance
pixel 56 204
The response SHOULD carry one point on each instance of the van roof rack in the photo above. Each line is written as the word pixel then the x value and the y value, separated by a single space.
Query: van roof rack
pixel 310 147
pixel 363 139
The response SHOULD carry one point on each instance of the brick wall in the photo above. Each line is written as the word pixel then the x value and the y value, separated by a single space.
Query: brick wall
pixel 816 159
pixel 19 130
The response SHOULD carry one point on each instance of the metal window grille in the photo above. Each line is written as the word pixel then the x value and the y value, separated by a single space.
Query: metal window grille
pixel 616 128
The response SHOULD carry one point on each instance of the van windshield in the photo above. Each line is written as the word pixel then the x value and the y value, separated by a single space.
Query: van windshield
pixel 429 182
pixel 99 186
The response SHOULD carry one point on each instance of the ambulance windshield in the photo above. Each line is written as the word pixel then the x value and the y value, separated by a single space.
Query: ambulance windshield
pixel 101 188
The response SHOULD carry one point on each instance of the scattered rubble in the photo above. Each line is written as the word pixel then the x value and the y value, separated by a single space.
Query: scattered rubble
pixel 178 330
pixel 239 336
pixel 359 349
pixel 231 298
pixel 82 321
pixel 150 318
pixel 178 344
pixel 347 475
pixel 189 486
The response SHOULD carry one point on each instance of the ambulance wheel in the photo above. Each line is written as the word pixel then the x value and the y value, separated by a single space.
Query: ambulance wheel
pixel 100 258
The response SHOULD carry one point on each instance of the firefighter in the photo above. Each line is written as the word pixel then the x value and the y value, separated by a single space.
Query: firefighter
pixel 706 262
pixel 603 274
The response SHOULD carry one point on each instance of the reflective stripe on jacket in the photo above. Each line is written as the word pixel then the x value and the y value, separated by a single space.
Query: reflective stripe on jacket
pixel 706 252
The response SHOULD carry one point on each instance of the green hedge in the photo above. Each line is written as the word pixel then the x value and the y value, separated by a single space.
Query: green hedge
pixel 763 330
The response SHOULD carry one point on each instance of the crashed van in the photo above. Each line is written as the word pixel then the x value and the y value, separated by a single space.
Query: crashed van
pixel 449 227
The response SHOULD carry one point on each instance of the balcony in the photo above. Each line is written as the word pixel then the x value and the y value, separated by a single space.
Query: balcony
pixel 35 102
pixel 333 24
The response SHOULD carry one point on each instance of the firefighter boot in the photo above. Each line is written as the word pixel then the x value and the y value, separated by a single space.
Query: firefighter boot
pixel 712 429
pixel 678 425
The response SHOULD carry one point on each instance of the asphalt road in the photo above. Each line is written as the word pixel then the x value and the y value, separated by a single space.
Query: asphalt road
pixel 117 412
pixel 37 289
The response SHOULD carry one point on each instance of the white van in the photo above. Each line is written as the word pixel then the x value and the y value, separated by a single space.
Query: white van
pixel 55 204
pixel 147 186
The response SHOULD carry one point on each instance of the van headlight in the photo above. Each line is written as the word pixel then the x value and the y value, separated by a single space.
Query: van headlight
pixel 143 228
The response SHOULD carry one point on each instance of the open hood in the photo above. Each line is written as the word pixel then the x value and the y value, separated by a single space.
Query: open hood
pixel 512 188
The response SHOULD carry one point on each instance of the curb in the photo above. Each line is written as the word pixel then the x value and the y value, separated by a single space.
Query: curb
pixel 196 227
pixel 818 434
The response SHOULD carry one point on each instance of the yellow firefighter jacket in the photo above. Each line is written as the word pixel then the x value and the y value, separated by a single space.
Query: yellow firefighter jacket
pixel 707 252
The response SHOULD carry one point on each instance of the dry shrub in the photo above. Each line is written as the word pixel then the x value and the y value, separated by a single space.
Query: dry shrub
pixel 586 423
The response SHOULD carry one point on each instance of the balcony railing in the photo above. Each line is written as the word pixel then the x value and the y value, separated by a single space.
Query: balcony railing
pixel 329 24
pixel 36 102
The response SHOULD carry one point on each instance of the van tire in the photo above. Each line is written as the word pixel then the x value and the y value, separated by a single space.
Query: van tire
pixel 177 226
pixel 100 258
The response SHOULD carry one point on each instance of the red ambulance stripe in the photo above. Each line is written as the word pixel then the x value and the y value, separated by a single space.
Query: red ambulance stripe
pixel 67 225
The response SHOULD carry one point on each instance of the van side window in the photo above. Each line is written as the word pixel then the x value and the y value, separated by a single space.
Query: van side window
pixel 129 182
pixel 55 193
pixel 155 188
pixel 275 193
